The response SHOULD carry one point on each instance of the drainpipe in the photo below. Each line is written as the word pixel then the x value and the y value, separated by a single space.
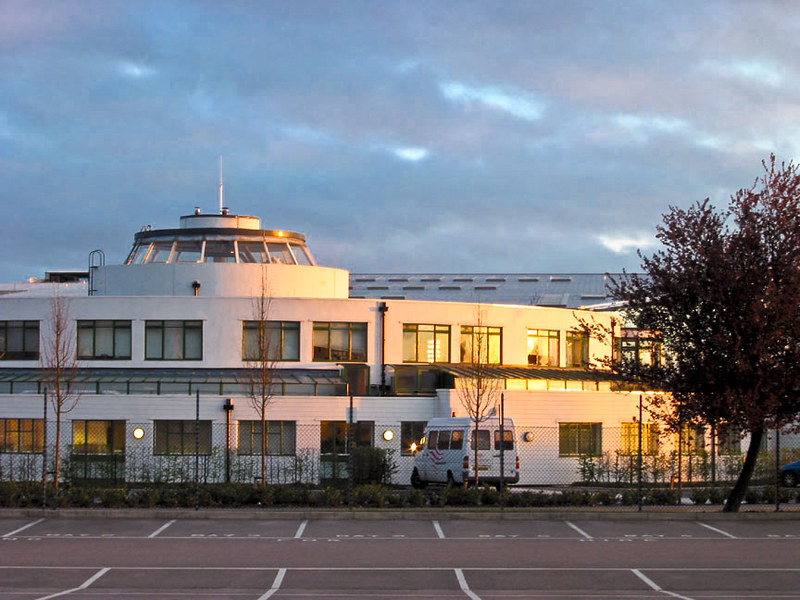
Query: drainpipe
pixel 383 309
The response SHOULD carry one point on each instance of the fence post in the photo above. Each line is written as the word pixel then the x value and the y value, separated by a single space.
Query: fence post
pixel 639 458
pixel 350 461
pixel 44 452
pixel 777 469
pixel 197 450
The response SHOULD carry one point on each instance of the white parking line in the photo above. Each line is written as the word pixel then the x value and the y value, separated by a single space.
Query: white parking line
pixel 300 529
pixel 657 587
pixel 82 586
pixel 162 528
pixel 579 530
pixel 438 529
pixel 725 533
pixel 462 582
pixel 276 585
pixel 23 528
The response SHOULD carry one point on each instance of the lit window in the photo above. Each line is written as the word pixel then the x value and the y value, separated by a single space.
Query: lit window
pixel 426 343
pixel 21 435
pixel 481 345
pixel 629 439
pixel 543 347
pixel 577 349
pixel 580 439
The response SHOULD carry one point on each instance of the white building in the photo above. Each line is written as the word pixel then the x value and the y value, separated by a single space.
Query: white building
pixel 163 340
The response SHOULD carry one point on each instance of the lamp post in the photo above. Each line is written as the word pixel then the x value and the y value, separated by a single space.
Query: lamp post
pixel 228 408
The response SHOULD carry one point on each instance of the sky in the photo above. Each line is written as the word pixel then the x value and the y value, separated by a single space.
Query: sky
pixel 399 136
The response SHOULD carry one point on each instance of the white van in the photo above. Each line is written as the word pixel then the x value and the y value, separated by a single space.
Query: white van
pixel 444 457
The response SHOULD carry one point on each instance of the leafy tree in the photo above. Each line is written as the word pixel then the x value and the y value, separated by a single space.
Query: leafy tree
pixel 723 296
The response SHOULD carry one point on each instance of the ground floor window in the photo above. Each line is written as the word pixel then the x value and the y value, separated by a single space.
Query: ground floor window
pixel 580 439
pixel 729 441
pixel 692 439
pixel 411 435
pixel 21 435
pixel 98 437
pixel 629 439
pixel 182 437
pixel 333 436
pixel 281 437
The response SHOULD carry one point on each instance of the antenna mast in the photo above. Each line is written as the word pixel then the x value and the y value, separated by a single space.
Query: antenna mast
pixel 220 184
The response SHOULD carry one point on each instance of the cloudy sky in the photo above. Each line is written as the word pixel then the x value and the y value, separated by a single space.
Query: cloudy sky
pixel 399 136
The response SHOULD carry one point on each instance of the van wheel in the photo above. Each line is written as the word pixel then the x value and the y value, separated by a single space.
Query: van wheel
pixel 416 482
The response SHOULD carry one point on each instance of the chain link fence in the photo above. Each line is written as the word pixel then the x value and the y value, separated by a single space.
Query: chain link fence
pixel 610 464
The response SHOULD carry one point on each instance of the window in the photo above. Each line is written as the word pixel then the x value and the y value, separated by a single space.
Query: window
pixel 188 252
pixel 178 437
pixel 629 439
pixel 104 340
pixel 346 342
pixel 411 434
pixel 19 340
pixel 692 439
pixel 333 435
pixel 508 439
pixel 483 439
pixel 577 349
pixel 21 435
pixel 481 344
pixel 220 252
pixel 426 343
pixel 281 437
pixel 173 340
pixel 639 347
pixel 543 347
pixel 253 252
pixel 98 437
pixel 729 441
pixel 279 340
pixel 580 439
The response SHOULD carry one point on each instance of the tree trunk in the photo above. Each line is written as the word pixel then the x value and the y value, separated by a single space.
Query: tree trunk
pixel 57 474
pixel 263 448
pixel 737 493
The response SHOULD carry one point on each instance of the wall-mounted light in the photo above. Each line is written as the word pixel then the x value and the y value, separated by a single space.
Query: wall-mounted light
pixel 138 433
pixel 388 435
pixel 527 436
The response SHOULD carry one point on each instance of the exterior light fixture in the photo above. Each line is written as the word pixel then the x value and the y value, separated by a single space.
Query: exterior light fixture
pixel 138 433
pixel 388 435
pixel 527 436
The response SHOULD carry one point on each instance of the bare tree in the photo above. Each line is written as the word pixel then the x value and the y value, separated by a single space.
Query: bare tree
pixel 262 349
pixel 478 389
pixel 59 364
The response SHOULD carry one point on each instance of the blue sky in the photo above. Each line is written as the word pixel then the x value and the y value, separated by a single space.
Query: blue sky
pixel 508 136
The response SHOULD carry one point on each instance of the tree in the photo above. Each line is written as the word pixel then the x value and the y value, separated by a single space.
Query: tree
pixel 59 368
pixel 723 296
pixel 478 390
pixel 261 352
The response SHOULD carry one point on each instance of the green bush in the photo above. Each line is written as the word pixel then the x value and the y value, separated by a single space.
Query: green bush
pixel 373 465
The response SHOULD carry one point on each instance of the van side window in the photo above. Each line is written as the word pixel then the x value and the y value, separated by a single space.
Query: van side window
pixel 433 437
pixel 457 440
pixel 508 439
pixel 483 439
pixel 444 440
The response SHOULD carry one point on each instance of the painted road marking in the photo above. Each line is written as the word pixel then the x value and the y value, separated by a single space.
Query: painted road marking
pixel 655 586
pixel 276 585
pixel 579 530
pixel 300 529
pixel 82 586
pixel 462 583
pixel 23 528
pixel 438 529
pixel 162 528
pixel 719 531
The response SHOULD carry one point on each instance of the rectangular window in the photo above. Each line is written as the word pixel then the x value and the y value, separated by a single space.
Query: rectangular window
pixel 281 436
pixel 692 440
pixel 508 439
pixel 629 439
pixel 729 441
pixel 426 343
pixel 273 340
pixel 333 435
pixel 577 349
pixel 21 435
pixel 481 345
pixel 543 347
pixel 580 439
pixel 104 340
pixel 98 437
pixel 483 439
pixel 638 347
pixel 340 342
pixel 178 437
pixel 411 434
pixel 173 340
pixel 19 340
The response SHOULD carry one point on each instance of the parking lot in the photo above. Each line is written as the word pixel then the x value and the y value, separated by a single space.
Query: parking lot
pixel 386 556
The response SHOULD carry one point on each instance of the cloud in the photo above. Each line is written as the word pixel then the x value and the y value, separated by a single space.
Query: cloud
pixel 517 105
pixel 411 154
pixel 625 243
pixel 761 72
pixel 134 70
